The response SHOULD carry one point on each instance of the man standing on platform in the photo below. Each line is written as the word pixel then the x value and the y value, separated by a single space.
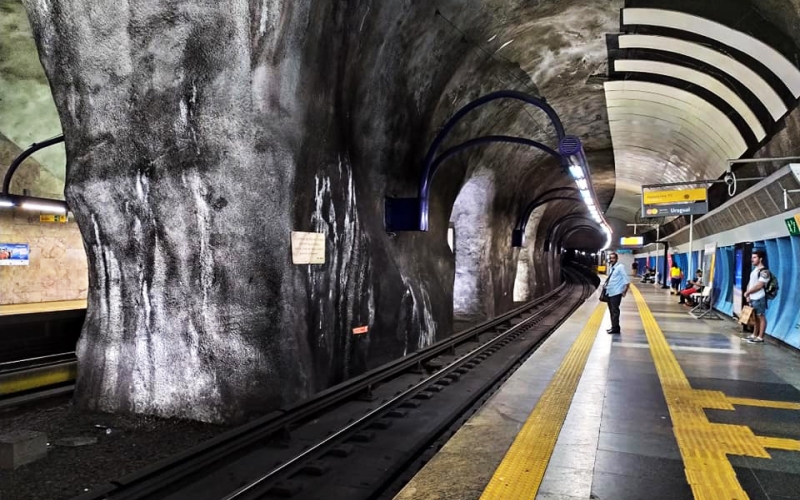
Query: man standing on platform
pixel 617 285
pixel 757 295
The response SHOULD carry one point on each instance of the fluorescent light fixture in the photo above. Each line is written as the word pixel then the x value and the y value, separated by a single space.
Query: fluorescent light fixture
pixel 582 184
pixel 576 171
pixel 43 207
pixel 6 203
pixel 586 195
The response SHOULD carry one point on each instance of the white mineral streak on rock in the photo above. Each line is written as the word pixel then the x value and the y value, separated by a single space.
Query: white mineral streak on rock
pixel 427 335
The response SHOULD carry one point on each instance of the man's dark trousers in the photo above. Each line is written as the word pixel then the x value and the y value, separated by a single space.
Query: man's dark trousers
pixel 613 307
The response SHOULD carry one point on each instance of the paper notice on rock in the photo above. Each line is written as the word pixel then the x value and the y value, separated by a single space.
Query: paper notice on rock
pixel 308 248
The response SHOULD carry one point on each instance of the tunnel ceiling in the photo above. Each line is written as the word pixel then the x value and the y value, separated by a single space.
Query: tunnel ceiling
pixel 27 111
pixel 690 88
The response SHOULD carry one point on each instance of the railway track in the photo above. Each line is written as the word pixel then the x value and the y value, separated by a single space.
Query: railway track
pixel 365 438
pixel 30 380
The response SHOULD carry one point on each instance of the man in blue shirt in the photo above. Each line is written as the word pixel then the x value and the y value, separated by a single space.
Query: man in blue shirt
pixel 616 285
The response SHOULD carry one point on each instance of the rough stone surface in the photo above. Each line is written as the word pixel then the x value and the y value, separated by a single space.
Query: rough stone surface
pixel 21 447
pixel 134 442
pixel 191 160
pixel 198 135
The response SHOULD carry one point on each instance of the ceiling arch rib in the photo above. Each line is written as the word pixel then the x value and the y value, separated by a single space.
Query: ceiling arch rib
pixel 693 76
pixel 645 114
pixel 664 134
pixel 689 104
pixel 675 140
pixel 787 72
pixel 741 72
pixel 677 158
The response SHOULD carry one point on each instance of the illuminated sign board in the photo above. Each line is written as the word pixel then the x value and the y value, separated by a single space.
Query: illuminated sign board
pixel 674 203
pixel 681 196
pixel 631 241
pixel 14 254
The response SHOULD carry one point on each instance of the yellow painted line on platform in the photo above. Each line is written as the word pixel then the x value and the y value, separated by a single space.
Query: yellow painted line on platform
pixel 43 377
pixel 40 307
pixel 704 445
pixel 520 473
pixel 780 405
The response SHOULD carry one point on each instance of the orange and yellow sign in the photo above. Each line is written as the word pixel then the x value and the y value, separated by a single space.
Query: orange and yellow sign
pixel 683 195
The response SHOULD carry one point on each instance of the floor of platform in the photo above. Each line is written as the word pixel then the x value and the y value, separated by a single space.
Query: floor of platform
pixel 671 401
pixel 40 307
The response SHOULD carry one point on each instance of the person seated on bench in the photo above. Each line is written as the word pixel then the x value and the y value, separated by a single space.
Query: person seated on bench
pixel 649 275
pixel 694 286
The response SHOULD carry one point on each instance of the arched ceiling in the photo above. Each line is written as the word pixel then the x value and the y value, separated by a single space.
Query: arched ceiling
pixel 685 95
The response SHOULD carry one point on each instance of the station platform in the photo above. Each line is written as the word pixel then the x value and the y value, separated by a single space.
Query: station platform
pixel 42 307
pixel 673 408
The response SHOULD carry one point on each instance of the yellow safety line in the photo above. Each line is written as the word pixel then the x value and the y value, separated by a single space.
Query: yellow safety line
pixel 520 473
pixel 704 445
pixel 780 405
pixel 10 384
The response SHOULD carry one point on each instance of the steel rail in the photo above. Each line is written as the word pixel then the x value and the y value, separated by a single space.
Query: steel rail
pixel 462 360
pixel 170 471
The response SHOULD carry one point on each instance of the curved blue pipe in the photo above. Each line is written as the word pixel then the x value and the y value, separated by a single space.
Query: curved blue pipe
pixel 432 162
pixel 522 222
pixel 518 234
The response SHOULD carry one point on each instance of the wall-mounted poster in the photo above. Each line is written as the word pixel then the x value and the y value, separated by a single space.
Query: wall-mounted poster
pixel 14 254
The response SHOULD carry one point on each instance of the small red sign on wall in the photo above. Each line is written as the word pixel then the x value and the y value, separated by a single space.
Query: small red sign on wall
pixel 360 330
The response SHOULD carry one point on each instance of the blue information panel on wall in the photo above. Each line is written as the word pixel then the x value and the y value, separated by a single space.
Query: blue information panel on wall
pixel 14 254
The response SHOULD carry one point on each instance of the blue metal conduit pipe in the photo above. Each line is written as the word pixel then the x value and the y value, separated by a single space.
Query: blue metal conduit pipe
pixel 36 146
pixel 518 234
pixel 411 214
pixel 42 204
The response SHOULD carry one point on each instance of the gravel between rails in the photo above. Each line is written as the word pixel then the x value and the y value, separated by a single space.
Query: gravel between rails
pixel 134 442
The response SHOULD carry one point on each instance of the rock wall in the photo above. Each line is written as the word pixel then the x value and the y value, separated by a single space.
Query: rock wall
pixel 199 135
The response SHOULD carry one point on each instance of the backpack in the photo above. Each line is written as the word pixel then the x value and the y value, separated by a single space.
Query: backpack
pixel 771 287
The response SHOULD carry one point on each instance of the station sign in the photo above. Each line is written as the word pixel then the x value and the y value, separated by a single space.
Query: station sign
pixel 631 241
pixel 674 203
pixel 679 196
pixel 53 218
pixel 792 226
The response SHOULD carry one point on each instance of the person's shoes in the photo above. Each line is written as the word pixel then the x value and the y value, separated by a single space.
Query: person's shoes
pixel 749 337
pixel 756 340
pixel 614 332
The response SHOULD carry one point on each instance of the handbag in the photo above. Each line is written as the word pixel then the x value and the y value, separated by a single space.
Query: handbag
pixel 746 316
pixel 603 293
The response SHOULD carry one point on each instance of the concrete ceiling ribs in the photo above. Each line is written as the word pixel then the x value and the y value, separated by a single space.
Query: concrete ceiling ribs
pixel 671 121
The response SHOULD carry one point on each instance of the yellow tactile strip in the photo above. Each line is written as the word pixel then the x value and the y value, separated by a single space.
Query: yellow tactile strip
pixel 704 445
pixel 520 473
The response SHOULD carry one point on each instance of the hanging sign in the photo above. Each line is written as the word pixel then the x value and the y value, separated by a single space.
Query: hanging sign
pixel 53 218
pixel 631 241
pixel 679 196
pixel 792 226
pixel 308 248
pixel 14 254
pixel 674 203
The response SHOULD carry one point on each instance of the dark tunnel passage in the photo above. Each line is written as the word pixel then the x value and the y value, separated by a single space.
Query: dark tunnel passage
pixel 200 135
